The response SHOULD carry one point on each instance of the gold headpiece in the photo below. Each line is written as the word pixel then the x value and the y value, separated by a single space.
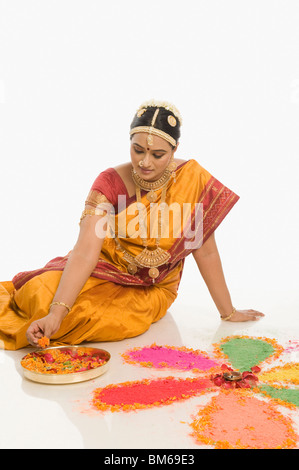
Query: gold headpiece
pixel 151 130
pixel 160 104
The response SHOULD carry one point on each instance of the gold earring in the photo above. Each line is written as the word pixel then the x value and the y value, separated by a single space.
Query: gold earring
pixel 172 167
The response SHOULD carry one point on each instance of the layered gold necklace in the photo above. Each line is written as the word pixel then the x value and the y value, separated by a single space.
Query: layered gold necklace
pixel 151 186
pixel 149 258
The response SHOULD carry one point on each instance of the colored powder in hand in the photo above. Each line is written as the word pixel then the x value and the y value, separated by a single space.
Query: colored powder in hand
pixel 170 357
pixel 236 420
pixel 147 393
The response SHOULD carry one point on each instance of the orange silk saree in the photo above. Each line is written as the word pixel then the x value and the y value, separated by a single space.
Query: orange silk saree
pixel 114 304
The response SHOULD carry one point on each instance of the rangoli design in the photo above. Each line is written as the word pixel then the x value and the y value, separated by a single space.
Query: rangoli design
pixel 244 409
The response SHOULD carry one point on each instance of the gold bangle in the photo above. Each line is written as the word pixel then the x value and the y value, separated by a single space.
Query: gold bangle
pixel 61 303
pixel 87 212
pixel 229 316
pixel 97 211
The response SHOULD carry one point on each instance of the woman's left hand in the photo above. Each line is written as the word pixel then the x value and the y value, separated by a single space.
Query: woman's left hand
pixel 246 315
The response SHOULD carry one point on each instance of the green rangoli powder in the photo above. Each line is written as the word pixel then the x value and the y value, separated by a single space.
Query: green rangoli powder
pixel 244 353
pixel 286 394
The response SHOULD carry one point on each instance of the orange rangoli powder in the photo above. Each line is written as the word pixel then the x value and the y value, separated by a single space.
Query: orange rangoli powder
pixel 238 420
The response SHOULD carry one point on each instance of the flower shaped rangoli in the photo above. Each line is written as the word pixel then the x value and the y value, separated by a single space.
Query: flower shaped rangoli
pixel 243 414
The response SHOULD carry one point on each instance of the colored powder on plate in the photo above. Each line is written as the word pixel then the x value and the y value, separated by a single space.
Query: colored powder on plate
pixel 148 393
pixel 289 395
pixel 234 420
pixel 163 356
pixel 244 353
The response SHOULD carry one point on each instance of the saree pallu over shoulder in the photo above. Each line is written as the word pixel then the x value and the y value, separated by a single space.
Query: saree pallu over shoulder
pixel 214 202
pixel 208 202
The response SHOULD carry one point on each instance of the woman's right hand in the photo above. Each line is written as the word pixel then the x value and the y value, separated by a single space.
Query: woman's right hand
pixel 46 326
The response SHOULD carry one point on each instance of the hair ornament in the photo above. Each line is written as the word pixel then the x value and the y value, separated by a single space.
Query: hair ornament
pixel 171 120
pixel 140 112
pixel 160 104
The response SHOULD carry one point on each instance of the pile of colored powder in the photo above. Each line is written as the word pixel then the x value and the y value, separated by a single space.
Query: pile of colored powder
pixel 236 420
pixel 288 373
pixel 245 353
pixel 147 393
pixel 171 357
pixel 286 395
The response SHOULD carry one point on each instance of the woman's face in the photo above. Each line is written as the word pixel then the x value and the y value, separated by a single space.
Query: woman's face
pixel 155 157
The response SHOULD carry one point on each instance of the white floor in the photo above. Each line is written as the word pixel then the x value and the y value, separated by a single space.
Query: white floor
pixel 47 416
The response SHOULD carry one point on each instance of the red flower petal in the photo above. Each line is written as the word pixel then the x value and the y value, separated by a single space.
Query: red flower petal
pixel 245 374
pixel 228 385
pixel 256 369
pixel 218 380
pixel 49 358
pixel 243 384
pixel 250 376
pixel 225 367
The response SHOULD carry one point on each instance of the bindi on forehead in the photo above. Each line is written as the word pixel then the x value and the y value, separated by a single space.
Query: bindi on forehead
pixel 148 148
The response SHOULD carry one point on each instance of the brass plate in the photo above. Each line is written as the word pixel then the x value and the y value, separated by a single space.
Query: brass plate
pixel 72 377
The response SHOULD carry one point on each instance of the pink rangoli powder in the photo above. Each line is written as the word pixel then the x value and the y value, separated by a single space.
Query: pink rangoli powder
pixel 170 357
pixel 293 346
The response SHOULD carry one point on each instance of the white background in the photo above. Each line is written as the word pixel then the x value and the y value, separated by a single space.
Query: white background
pixel 72 74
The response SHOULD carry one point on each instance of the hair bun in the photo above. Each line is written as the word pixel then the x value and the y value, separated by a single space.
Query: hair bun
pixel 160 104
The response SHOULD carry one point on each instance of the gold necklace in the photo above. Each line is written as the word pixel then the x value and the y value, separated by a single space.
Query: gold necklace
pixel 147 258
pixel 152 258
pixel 151 186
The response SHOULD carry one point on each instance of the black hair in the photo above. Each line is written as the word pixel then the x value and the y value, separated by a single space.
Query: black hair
pixel 161 122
